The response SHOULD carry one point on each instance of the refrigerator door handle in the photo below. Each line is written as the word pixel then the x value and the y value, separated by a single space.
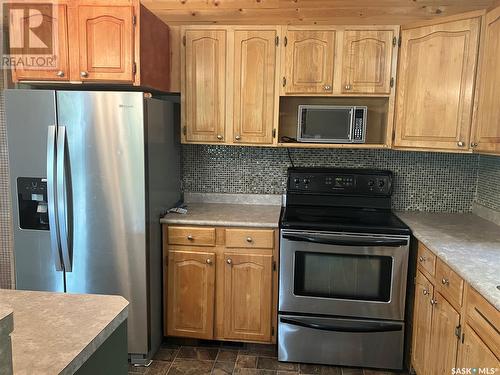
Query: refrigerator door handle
pixel 65 216
pixel 51 197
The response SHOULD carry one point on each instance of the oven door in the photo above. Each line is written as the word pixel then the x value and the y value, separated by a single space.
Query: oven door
pixel 343 274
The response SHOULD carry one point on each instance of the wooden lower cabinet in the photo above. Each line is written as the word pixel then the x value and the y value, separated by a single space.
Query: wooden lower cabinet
pixel 247 296
pixel 448 332
pixel 444 341
pixel 191 283
pixel 218 292
pixel 422 318
pixel 474 352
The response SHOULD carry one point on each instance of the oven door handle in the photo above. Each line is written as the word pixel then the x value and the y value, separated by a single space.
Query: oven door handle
pixel 355 328
pixel 349 242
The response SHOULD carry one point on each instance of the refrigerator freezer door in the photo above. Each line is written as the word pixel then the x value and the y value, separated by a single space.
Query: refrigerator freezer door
pixel 29 115
pixel 105 183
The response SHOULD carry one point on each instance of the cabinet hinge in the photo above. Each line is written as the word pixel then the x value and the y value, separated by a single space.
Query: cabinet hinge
pixel 184 40
pixel 458 331
pixel 394 41
pixel 399 42
pixel 274 133
pixel 134 68
pixel 284 81
pixel 272 331
pixel 393 135
pixel 391 82
pixel 277 40
pixel 274 265
pixel 184 130
pixel 134 20
pixel 285 41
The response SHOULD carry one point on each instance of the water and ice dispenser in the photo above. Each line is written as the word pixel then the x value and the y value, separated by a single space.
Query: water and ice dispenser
pixel 32 201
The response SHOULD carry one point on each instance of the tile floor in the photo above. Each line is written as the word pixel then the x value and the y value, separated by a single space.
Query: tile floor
pixel 250 359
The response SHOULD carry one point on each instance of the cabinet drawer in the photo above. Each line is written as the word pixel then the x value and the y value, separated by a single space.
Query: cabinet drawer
pixel 258 238
pixel 426 259
pixel 191 236
pixel 484 319
pixel 449 283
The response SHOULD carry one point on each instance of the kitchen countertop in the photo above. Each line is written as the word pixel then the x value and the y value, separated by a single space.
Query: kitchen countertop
pixel 55 333
pixel 228 215
pixel 469 244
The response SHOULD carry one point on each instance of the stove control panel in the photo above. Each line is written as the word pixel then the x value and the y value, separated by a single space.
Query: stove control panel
pixel 340 181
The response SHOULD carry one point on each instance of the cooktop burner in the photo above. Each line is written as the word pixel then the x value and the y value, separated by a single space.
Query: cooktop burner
pixel 343 219
pixel 341 200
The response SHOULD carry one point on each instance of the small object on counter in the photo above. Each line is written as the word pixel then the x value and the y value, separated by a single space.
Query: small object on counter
pixel 178 210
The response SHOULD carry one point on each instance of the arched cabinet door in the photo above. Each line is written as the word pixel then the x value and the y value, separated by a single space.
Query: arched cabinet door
pixel 434 95
pixel 106 43
pixel 309 56
pixel 367 61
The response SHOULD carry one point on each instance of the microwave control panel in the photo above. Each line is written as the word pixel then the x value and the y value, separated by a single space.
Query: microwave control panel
pixel 340 181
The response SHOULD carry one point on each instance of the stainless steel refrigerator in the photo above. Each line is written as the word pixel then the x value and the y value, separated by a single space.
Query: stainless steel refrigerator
pixel 91 172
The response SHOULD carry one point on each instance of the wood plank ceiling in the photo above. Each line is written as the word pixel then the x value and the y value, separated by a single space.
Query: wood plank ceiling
pixel 176 12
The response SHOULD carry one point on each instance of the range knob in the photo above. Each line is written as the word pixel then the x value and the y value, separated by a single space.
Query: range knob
pixel 296 180
pixel 306 181
pixel 381 183
pixel 371 183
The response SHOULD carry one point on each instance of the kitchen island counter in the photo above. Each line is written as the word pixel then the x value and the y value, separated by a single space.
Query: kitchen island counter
pixel 469 244
pixel 57 333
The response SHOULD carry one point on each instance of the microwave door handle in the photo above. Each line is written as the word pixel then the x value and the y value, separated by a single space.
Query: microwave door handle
pixel 387 242
pixel 352 111
pixel 354 328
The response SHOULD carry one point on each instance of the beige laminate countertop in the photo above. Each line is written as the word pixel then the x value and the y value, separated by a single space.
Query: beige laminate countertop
pixel 228 215
pixel 55 333
pixel 469 244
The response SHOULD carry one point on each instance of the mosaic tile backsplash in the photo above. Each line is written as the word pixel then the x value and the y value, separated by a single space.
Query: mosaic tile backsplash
pixel 437 182
pixel 488 182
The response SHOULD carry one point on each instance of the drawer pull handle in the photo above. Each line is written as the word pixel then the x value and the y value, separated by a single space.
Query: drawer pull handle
pixel 229 261
pixel 425 292
pixel 421 259
pixel 434 302
pixel 487 320
pixel 209 261
pixel 60 73
pixel 190 237
pixel 445 281
pixel 249 239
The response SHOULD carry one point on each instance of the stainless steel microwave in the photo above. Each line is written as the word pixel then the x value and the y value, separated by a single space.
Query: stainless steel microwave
pixel 331 124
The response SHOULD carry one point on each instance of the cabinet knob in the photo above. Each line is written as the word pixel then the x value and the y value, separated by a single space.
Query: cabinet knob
pixel 434 302
pixel 425 292
pixel 445 281
pixel 249 239
pixel 84 74
pixel 347 87
pixel 421 259
pixel 237 137
pixel 60 73
pixel 473 144
pixel 460 144
pixel 190 237
pixel 327 87
pixel 220 137
pixel 229 261
pixel 209 261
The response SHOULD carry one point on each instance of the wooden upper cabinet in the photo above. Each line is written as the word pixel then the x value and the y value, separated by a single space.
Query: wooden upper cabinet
pixel 437 66
pixel 474 353
pixel 422 318
pixel 487 135
pixel 308 61
pixel 106 43
pixel 204 85
pixel 52 33
pixel 444 342
pixel 247 296
pixel 367 61
pixel 190 295
pixel 255 55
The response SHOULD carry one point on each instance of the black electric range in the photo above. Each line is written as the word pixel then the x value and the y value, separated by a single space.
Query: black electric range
pixel 341 200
